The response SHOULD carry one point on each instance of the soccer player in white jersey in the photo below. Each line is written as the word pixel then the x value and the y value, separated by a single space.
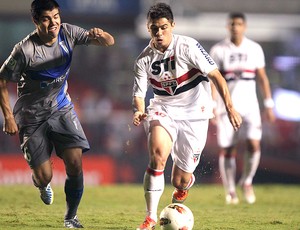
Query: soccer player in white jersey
pixel 241 61
pixel 176 121
pixel 44 115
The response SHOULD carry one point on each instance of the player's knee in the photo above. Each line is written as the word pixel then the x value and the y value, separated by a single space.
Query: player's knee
pixel 158 161
pixel 74 167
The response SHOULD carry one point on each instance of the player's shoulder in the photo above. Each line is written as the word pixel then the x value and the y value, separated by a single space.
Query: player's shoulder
pixel 250 42
pixel 146 53
pixel 71 29
pixel 183 39
pixel 26 45
pixel 185 44
pixel 221 44
pixel 68 26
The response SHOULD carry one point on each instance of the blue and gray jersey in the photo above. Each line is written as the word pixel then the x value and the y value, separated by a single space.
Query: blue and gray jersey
pixel 41 73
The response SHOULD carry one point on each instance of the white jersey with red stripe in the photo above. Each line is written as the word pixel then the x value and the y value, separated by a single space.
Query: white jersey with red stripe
pixel 178 78
pixel 238 65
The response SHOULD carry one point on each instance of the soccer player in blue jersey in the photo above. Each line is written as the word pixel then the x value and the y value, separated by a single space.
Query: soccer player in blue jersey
pixel 44 115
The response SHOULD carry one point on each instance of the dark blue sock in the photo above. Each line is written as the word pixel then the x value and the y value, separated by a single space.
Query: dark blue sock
pixel 73 190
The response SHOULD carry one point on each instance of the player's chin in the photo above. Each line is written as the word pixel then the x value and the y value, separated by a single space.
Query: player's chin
pixel 53 33
pixel 159 43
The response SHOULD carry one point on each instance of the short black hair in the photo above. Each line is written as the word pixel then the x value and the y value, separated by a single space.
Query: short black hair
pixel 38 6
pixel 160 10
pixel 234 15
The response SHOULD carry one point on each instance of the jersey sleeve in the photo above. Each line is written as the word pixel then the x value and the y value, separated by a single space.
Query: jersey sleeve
pixel 260 57
pixel 199 58
pixel 78 35
pixel 140 85
pixel 14 65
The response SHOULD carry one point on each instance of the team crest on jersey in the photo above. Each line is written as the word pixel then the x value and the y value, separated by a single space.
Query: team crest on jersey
pixel 197 154
pixel 169 83
pixel 170 86
pixel 11 64
pixel 196 157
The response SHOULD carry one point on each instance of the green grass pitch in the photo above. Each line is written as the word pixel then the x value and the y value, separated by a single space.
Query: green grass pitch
pixel 122 207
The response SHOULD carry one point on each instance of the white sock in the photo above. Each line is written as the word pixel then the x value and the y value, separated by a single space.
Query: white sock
pixel 227 167
pixel 251 162
pixel 154 184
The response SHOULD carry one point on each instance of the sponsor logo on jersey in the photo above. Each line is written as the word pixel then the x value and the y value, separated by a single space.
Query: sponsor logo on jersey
pixel 164 65
pixel 45 84
pixel 205 54
pixel 238 57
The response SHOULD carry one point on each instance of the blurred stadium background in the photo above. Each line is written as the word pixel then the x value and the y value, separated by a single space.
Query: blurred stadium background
pixel 101 80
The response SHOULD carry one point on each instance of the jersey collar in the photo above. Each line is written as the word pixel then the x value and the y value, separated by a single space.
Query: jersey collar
pixel 170 47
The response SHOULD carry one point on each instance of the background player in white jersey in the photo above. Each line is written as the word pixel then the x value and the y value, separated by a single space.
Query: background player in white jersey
pixel 176 121
pixel 242 63
pixel 44 115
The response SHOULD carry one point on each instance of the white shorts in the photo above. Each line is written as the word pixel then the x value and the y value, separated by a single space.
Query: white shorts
pixel 250 129
pixel 188 136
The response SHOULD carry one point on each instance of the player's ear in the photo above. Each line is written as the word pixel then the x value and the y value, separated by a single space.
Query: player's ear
pixel 34 21
pixel 148 28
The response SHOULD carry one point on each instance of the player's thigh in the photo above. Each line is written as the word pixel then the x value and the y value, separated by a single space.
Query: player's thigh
pixel 159 144
pixel 192 136
pixel 161 130
pixel 67 133
pixel 159 138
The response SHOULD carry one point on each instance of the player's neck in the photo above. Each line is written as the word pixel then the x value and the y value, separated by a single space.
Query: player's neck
pixel 237 41
pixel 47 40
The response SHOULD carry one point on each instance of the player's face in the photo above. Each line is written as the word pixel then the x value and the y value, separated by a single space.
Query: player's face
pixel 161 33
pixel 236 28
pixel 48 25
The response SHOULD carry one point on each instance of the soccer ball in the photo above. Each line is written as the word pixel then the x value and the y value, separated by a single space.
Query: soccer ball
pixel 176 217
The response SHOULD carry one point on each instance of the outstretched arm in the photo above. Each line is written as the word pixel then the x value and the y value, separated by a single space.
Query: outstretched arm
pixel 9 126
pixel 221 86
pixel 100 37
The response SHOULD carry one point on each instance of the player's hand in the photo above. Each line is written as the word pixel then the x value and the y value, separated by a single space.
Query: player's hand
pixel 138 117
pixel 95 33
pixel 10 127
pixel 234 118
pixel 100 38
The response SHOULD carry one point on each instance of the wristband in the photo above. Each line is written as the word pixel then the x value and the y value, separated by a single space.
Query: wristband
pixel 269 103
